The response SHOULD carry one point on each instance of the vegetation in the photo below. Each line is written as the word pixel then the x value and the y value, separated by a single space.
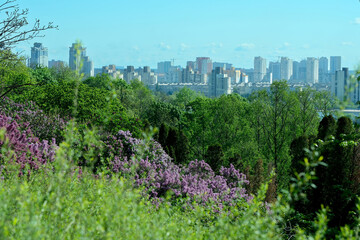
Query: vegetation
pixel 102 158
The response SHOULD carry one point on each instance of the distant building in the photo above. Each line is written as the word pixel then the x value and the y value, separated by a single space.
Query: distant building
pixel 39 56
pixel 340 84
pixel 296 71
pixel 274 68
pixel 323 69
pixel 312 70
pixel 204 65
pixel 148 77
pixel 130 74
pixel 164 67
pixel 78 59
pixel 220 83
pixel 226 66
pixel 56 64
pixel 302 71
pixel 335 64
pixel 112 71
pixel 259 69
pixel 286 68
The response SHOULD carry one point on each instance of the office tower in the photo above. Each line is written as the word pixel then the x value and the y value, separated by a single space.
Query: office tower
pixel 323 69
pixel 220 83
pixel 340 84
pixel 296 71
pixel 79 62
pixel 226 66
pixel 148 77
pixel 88 67
pixel 39 56
pixel 274 68
pixel 130 74
pixel 302 71
pixel 190 65
pixel 204 65
pixel 335 64
pixel 164 67
pixel 259 69
pixel 312 70
pixel 286 68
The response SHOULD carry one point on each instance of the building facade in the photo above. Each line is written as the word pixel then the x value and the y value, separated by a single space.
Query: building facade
pixel 259 69
pixel 39 56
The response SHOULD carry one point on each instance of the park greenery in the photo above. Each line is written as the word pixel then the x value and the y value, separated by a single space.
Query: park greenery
pixel 96 157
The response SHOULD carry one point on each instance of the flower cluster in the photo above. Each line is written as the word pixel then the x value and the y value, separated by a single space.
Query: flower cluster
pixel 44 126
pixel 151 168
pixel 22 148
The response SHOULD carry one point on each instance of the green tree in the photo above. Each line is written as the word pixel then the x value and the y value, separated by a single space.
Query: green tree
pixel 278 120
pixel 215 157
pixel 308 118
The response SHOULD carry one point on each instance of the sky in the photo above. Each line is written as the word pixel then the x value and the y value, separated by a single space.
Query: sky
pixel 144 32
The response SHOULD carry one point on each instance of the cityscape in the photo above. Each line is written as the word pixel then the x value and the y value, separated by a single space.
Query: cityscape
pixel 214 79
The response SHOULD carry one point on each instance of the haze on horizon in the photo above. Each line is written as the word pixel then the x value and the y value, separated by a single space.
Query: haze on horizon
pixel 144 32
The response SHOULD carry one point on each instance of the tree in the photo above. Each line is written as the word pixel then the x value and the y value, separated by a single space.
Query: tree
pixel 13 29
pixel 308 117
pixel 325 102
pixel 277 120
pixel 327 127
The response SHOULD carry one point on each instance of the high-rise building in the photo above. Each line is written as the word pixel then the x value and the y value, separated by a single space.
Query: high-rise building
pixel 286 68
pixel 340 84
pixel 204 65
pixel 164 67
pixel 148 77
pixel 302 71
pixel 78 61
pixel 312 70
pixel 274 68
pixel 226 66
pixel 323 69
pixel 259 69
pixel 39 56
pixel 130 74
pixel 335 64
pixel 220 83
pixel 296 71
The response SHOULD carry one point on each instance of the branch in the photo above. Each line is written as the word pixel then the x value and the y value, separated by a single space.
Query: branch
pixel 16 86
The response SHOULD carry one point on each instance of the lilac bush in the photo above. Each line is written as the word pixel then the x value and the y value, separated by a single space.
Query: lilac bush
pixel 151 168
pixel 44 126
pixel 22 148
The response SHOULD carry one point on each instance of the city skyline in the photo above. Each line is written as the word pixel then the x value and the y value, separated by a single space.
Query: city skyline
pixel 143 33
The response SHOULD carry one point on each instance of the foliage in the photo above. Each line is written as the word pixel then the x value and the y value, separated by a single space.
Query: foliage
pixel 44 126
pixel 22 149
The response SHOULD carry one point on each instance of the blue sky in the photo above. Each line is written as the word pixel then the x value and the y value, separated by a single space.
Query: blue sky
pixel 144 32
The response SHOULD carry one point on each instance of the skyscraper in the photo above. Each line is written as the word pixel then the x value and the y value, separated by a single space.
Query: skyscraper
pixel 204 65
pixel 286 68
pixel 274 68
pixel 164 67
pixel 39 56
pixel 302 71
pixel 323 69
pixel 340 83
pixel 259 69
pixel 335 64
pixel 296 71
pixel 78 61
pixel 312 70
pixel 220 83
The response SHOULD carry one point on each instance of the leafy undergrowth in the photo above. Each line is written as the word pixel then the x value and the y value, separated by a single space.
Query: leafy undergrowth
pixel 121 187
